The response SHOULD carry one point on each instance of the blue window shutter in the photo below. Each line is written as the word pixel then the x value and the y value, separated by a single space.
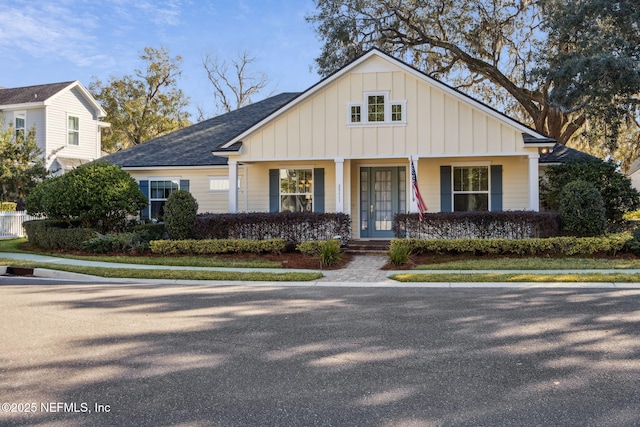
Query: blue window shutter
pixel 318 190
pixel 274 190
pixel 496 187
pixel 445 189
pixel 144 187
pixel 184 184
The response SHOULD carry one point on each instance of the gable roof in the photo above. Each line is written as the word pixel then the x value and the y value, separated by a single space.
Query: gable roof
pixel 43 95
pixel 28 94
pixel 192 145
pixel 531 137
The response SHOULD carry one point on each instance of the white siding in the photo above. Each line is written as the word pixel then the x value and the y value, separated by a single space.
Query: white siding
pixel 72 103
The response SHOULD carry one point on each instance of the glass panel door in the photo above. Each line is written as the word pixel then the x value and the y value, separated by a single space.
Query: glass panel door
pixel 382 195
pixel 382 199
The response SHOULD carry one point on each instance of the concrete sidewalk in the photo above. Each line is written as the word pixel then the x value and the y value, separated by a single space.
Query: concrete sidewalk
pixel 361 271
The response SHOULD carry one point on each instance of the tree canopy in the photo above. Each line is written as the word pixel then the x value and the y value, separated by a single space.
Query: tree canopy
pixel 22 166
pixel 538 60
pixel 143 106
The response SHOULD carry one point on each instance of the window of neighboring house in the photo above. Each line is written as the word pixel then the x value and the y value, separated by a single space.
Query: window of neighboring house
pixel 159 191
pixel 379 110
pixel 20 125
pixel 471 188
pixel 73 130
pixel 296 190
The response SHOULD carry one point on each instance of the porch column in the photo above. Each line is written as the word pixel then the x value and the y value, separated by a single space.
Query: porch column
pixel 534 185
pixel 233 186
pixel 413 203
pixel 339 184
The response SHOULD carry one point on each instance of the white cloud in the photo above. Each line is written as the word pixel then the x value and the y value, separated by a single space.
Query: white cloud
pixel 46 32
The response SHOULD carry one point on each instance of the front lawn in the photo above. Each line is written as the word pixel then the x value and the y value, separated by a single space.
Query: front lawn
pixel 133 273
pixel 501 277
pixel 532 263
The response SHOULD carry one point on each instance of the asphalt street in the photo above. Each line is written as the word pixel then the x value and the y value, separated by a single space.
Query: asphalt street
pixel 77 354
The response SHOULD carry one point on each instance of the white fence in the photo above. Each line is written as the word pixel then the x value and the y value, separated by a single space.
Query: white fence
pixel 11 224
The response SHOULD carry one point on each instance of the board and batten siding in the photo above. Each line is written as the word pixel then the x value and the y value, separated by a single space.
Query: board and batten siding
pixel 437 123
pixel 72 102
pixel 208 201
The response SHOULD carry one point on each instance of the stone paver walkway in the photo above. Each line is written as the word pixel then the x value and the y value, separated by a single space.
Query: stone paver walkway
pixel 360 269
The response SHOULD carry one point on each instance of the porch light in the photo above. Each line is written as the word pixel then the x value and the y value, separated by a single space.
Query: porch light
pixel 546 150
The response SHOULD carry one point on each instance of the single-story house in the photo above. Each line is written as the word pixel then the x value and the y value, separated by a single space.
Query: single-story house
pixel 347 144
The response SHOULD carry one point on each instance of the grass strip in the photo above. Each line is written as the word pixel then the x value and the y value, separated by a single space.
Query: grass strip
pixel 533 264
pixel 501 277
pixel 133 273
pixel 182 261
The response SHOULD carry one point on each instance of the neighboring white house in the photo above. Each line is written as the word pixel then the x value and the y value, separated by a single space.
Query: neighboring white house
pixel 347 144
pixel 66 117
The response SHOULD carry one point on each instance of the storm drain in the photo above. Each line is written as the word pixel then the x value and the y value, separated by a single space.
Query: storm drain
pixel 19 271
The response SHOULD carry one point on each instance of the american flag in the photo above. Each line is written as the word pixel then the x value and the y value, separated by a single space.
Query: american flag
pixel 422 206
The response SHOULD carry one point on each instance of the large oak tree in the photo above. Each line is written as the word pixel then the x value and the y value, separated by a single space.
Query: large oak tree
pixel 143 106
pixel 539 60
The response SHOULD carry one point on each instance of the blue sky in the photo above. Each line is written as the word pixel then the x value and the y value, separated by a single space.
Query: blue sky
pixel 43 41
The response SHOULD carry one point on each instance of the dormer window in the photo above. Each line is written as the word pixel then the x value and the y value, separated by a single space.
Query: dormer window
pixel 379 110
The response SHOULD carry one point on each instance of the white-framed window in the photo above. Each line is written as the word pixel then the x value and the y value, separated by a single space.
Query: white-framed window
pixel 159 191
pixel 471 188
pixel 379 110
pixel 218 183
pixel 73 130
pixel 375 108
pixel 397 112
pixel 20 124
pixel 356 113
pixel 296 190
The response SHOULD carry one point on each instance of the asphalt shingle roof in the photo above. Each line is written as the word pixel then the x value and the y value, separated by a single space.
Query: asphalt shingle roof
pixel 24 95
pixel 192 145
pixel 562 153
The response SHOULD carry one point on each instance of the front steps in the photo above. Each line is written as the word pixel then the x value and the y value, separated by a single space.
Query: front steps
pixel 367 247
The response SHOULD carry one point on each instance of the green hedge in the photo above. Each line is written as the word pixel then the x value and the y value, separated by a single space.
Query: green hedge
pixel 553 246
pixel 53 235
pixel 216 246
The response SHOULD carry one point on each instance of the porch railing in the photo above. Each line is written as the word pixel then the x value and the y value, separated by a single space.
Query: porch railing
pixel 11 224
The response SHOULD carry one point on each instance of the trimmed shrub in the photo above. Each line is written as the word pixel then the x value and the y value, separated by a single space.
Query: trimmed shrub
pixel 616 190
pixel 553 246
pixel 180 212
pixel 54 235
pixel 293 227
pixel 582 210
pixel 483 225
pixel 99 195
pixel 218 246
pixel 118 242
pixel 150 231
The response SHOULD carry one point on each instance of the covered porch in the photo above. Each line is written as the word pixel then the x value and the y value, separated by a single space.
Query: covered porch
pixel 373 190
